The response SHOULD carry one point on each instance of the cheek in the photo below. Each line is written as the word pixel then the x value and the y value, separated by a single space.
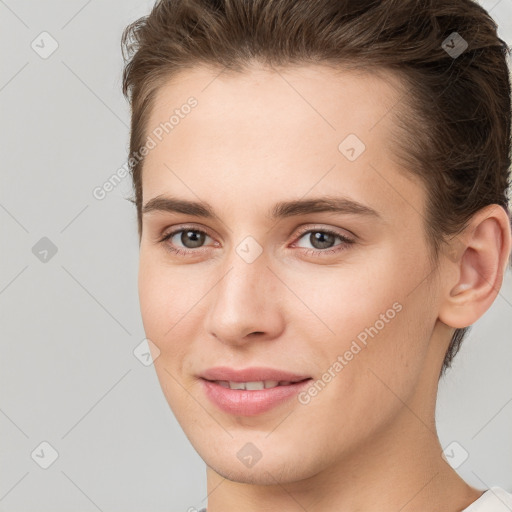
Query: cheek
pixel 165 293
pixel 173 301
pixel 160 307
pixel 367 315
pixel 168 300
pixel 341 302
pixel 153 298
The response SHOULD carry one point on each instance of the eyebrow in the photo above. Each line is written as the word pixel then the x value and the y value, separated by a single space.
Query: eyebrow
pixel 280 210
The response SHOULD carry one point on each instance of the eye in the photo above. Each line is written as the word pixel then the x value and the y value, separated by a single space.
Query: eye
pixel 187 241
pixel 322 241
pixel 190 238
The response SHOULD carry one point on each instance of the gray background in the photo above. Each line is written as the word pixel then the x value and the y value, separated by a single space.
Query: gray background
pixel 70 324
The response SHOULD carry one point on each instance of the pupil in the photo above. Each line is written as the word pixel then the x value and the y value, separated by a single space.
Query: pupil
pixel 321 240
pixel 195 239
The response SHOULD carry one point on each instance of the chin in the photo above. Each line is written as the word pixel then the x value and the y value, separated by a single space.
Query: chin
pixel 261 474
pixel 276 466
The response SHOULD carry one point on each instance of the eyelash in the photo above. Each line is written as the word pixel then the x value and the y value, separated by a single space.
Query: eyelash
pixel 310 252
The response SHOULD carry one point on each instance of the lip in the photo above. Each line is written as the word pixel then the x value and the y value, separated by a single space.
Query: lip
pixel 250 402
pixel 252 374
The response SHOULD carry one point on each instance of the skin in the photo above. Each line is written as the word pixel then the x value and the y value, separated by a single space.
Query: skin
pixel 368 440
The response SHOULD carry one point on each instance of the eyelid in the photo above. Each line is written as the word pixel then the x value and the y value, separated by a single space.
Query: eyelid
pixel 335 231
pixel 345 240
pixel 301 231
pixel 183 227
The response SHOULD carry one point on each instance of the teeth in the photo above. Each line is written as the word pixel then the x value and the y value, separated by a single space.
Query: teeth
pixel 237 385
pixel 251 386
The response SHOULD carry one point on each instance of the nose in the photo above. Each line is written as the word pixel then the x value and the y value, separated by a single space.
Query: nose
pixel 246 303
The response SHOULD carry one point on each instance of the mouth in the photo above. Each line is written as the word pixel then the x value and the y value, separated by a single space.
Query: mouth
pixel 255 385
pixel 251 398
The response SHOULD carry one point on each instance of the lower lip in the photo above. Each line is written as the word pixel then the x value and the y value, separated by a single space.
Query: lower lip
pixel 249 403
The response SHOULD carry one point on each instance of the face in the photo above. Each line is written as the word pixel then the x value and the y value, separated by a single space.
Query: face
pixel 266 276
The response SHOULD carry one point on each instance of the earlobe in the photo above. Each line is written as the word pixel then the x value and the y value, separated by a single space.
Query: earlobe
pixel 477 273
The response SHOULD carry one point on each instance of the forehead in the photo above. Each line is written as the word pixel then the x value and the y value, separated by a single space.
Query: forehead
pixel 334 99
pixel 287 128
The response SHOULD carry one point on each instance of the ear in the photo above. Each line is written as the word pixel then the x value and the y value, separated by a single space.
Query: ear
pixel 477 260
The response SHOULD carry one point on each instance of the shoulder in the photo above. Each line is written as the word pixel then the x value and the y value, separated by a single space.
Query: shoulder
pixel 494 499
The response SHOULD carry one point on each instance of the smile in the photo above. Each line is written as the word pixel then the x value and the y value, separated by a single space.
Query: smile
pixel 252 386
pixel 252 397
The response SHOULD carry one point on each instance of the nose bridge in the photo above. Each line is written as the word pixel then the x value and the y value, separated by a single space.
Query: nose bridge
pixel 244 282
pixel 242 302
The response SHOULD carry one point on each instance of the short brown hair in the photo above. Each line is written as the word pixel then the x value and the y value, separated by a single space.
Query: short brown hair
pixel 454 126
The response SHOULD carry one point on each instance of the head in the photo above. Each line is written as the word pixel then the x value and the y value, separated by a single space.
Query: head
pixel 245 107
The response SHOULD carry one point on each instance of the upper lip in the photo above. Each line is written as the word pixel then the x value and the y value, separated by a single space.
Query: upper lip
pixel 252 374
